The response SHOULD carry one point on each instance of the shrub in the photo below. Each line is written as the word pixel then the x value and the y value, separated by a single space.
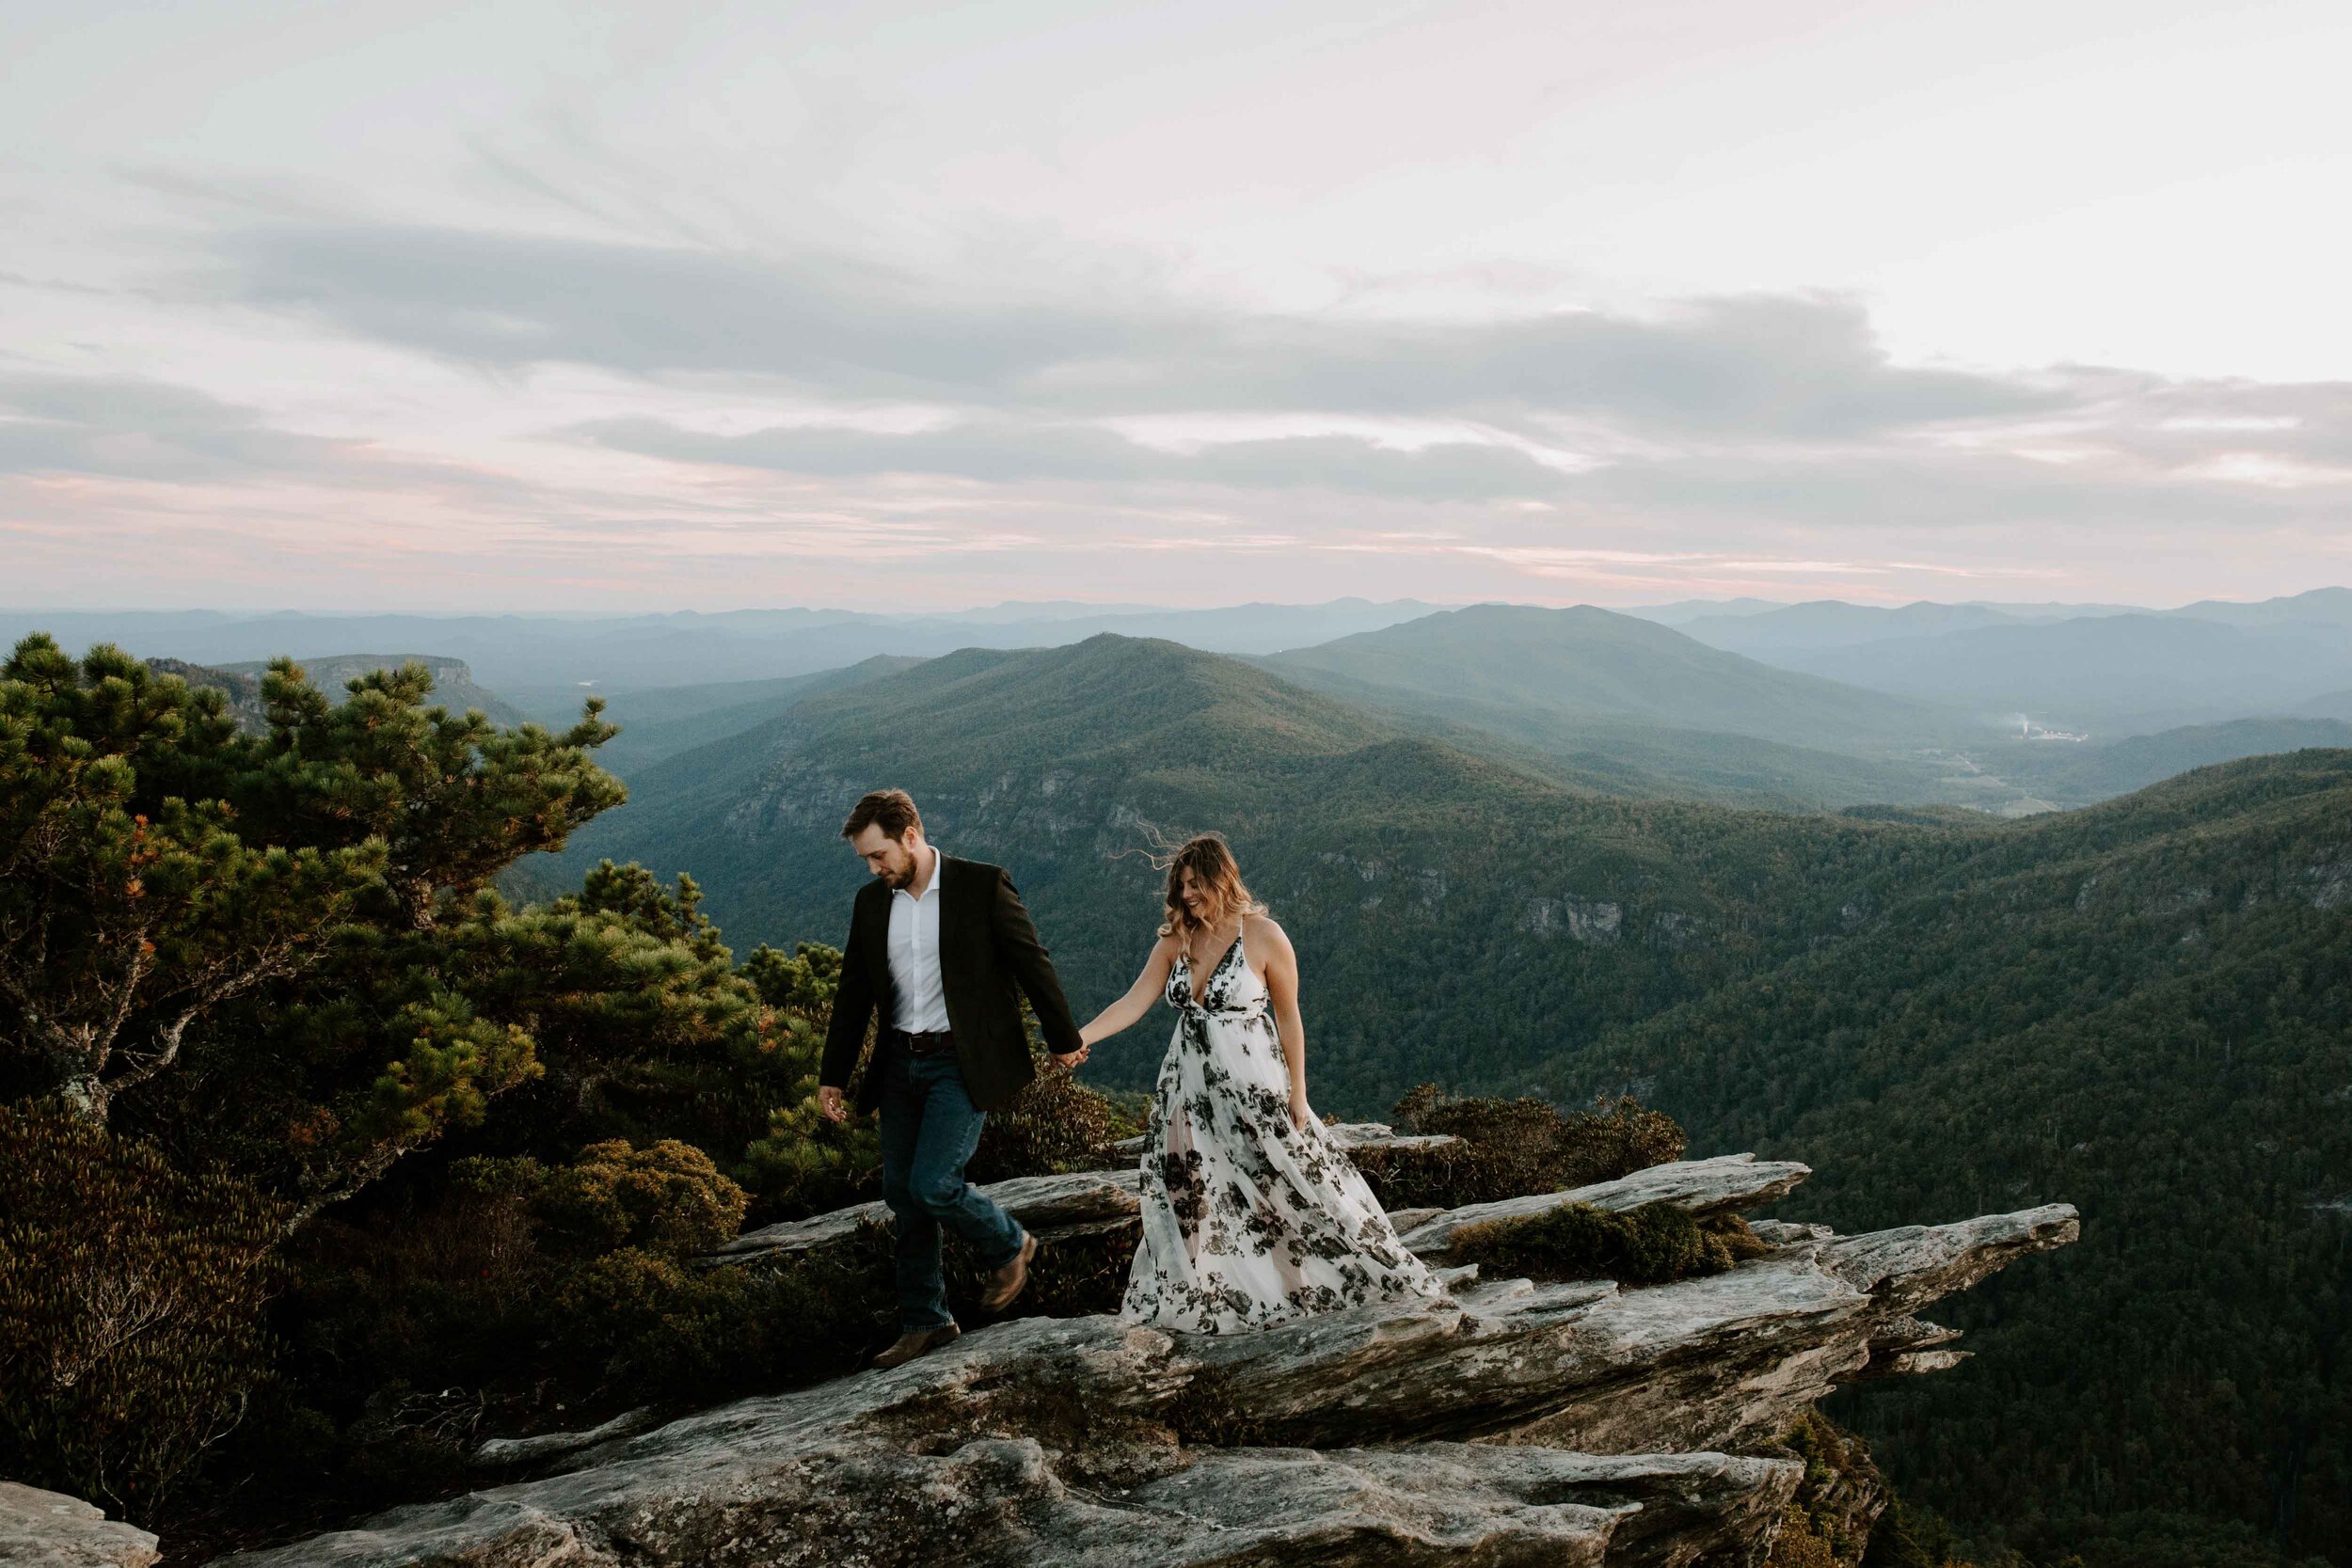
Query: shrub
pixel 1830 1519
pixel 1057 1124
pixel 1797 1543
pixel 653 1328
pixel 1514 1146
pixel 131 1297
pixel 1649 1246
pixel 667 1199
pixel 807 1164
pixel 649 1322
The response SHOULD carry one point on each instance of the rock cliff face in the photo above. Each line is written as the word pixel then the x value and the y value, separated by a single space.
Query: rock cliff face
pixel 1517 1424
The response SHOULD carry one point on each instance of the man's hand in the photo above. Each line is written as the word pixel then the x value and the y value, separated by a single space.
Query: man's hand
pixel 829 1105
pixel 1070 1063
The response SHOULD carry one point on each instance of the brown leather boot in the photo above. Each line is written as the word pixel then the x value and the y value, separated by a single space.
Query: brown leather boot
pixel 1007 1281
pixel 914 1342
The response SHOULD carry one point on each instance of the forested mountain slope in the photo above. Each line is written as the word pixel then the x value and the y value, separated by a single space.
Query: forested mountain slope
pixel 1585 664
pixel 660 722
pixel 2144 1008
pixel 2070 774
pixel 1457 915
pixel 1606 694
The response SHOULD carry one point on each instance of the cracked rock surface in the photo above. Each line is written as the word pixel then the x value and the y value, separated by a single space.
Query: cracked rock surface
pixel 49 1529
pixel 1514 1423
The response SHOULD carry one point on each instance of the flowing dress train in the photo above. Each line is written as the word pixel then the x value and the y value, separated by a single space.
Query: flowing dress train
pixel 1249 1221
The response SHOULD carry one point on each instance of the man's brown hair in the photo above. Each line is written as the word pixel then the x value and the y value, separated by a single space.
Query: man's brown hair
pixel 891 810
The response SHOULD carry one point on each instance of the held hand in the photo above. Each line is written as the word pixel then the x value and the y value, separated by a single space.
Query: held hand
pixel 829 1105
pixel 1070 1063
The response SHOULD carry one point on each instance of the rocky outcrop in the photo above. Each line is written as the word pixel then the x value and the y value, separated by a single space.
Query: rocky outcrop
pixel 49 1529
pixel 1515 1422
pixel 1702 1187
pixel 1045 1204
pixel 1041 1203
pixel 518 1454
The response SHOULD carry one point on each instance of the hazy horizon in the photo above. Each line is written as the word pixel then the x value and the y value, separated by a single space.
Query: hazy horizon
pixel 1079 608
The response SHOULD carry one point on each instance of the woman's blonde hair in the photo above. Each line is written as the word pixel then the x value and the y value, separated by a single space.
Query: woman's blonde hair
pixel 1213 866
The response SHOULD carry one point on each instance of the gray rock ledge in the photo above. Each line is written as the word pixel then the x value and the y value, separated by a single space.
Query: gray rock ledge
pixel 49 1529
pixel 1039 1203
pixel 1723 1185
pixel 1511 1424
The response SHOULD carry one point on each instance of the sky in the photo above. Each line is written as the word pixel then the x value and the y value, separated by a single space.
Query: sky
pixel 542 307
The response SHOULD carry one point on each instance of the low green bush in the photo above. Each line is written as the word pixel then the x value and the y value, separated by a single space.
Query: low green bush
pixel 667 1199
pixel 1510 1148
pixel 1056 1124
pixel 1650 1246
pixel 1829 1520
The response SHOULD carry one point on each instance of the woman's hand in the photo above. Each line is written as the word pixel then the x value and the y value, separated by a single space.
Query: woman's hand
pixel 1300 1112
pixel 1071 1063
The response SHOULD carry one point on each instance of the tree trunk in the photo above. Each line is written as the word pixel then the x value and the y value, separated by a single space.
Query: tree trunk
pixel 87 1097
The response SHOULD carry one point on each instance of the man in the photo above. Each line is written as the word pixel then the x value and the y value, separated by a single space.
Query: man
pixel 937 945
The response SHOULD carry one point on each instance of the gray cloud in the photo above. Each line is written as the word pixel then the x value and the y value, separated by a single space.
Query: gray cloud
pixel 1800 367
pixel 130 428
pixel 512 301
pixel 1927 492
pixel 1781 414
pixel 125 428
pixel 1005 452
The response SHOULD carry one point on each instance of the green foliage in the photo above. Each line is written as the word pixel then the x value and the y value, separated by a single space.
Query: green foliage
pixel 1513 1147
pixel 132 1336
pixel 1830 1519
pixel 803 981
pixel 1911 1536
pixel 265 909
pixel 1654 1244
pixel 1799 1543
pixel 133 903
pixel 1056 1124
pixel 664 1202
pixel 2141 1009
pixel 651 1325
pixel 803 1164
pixel 456 797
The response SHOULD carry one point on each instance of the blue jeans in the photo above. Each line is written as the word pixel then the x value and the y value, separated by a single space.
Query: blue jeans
pixel 929 1130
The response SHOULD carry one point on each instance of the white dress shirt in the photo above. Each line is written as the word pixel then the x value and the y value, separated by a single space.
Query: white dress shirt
pixel 922 996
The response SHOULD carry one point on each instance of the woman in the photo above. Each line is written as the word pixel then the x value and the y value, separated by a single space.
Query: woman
pixel 1252 1215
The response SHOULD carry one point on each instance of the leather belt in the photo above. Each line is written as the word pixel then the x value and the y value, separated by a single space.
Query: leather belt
pixel 931 1043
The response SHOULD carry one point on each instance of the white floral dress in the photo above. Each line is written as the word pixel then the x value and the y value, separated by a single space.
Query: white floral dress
pixel 1249 1221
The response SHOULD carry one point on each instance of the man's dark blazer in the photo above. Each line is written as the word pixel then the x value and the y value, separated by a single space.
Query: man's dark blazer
pixel 987 946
